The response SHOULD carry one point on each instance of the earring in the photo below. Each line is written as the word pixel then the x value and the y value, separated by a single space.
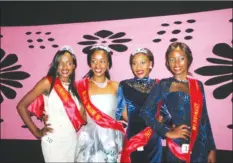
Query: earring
pixel 150 67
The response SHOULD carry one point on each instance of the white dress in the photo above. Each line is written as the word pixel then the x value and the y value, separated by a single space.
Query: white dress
pixel 60 145
pixel 98 144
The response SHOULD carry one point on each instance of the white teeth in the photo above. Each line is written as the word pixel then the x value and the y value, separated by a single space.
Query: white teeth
pixel 97 70
pixel 65 72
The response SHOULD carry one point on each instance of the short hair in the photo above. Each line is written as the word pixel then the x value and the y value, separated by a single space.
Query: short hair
pixel 185 48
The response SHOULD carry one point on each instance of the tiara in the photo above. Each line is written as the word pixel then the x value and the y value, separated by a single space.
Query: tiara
pixel 67 48
pixel 101 47
pixel 139 50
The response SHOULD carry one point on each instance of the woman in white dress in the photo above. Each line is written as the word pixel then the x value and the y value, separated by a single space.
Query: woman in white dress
pixel 56 96
pixel 101 139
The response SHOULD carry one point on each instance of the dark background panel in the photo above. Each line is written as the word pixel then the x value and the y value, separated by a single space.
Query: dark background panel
pixel 44 13
pixel 41 13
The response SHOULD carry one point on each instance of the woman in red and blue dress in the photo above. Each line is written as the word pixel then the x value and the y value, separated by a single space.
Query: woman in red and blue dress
pixel 131 96
pixel 190 131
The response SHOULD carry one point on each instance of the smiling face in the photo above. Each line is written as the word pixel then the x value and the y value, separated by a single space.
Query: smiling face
pixel 141 65
pixel 178 62
pixel 65 66
pixel 99 63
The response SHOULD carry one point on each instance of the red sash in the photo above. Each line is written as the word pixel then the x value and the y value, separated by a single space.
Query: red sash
pixel 37 107
pixel 69 105
pixel 140 139
pixel 196 101
pixel 99 117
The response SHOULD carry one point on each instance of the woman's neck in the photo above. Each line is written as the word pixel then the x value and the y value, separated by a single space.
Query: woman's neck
pixel 64 80
pixel 99 79
pixel 181 77
pixel 145 77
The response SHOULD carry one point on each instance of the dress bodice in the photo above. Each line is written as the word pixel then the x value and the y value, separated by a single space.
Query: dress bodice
pixel 106 103
pixel 56 112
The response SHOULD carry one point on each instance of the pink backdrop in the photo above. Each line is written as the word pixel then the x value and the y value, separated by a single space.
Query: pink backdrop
pixel 206 30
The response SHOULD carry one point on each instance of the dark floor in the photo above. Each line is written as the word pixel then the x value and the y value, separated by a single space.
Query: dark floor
pixel 22 151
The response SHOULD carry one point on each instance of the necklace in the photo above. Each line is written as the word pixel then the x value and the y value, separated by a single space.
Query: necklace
pixel 65 83
pixel 144 81
pixel 100 85
pixel 182 81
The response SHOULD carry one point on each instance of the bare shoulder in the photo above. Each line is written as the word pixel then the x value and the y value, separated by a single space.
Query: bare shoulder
pixel 44 85
pixel 45 82
pixel 114 84
pixel 41 87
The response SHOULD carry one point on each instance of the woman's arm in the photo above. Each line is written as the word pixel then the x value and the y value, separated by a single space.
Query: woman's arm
pixel 148 112
pixel 149 109
pixel 125 115
pixel 165 116
pixel 41 87
pixel 210 138
pixel 83 113
pixel 121 110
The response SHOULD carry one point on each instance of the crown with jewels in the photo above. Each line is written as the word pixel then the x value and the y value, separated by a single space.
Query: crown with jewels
pixel 139 50
pixel 68 48
pixel 101 47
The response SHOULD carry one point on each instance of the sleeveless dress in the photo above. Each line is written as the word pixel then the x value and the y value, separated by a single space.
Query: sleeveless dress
pixel 59 146
pixel 98 144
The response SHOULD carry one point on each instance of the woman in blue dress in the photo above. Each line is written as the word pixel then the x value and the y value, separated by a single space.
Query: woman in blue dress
pixel 191 138
pixel 131 96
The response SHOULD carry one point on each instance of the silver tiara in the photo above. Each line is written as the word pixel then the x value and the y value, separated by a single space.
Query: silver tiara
pixel 140 50
pixel 68 48
pixel 101 47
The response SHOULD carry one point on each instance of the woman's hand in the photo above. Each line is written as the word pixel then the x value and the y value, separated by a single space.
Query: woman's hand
pixel 179 132
pixel 160 119
pixel 41 132
pixel 83 114
pixel 212 156
pixel 45 118
pixel 124 123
